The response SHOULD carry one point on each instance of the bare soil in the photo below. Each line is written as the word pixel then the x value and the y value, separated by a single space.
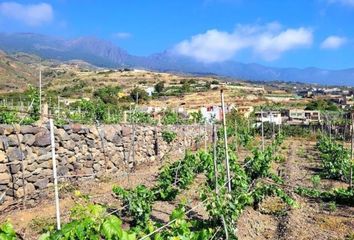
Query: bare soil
pixel 273 220
pixel 310 220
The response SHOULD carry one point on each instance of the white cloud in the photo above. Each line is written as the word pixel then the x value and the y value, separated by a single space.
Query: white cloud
pixel 31 14
pixel 343 2
pixel 268 42
pixel 122 35
pixel 333 42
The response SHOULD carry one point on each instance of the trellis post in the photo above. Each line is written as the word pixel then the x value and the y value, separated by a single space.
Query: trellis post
pixel 55 176
pixel 225 141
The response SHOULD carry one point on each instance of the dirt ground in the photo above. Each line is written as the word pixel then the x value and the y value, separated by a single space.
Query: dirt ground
pixel 310 220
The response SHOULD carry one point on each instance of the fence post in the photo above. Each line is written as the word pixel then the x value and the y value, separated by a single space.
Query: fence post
pixel 214 158
pixel 225 141
pixel 352 153
pixel 236 136
pixel 205 137
pixel 262 130
pixel 55 176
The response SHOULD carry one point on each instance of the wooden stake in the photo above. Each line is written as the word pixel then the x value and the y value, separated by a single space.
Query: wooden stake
pixel 262 130
pixel 55 176
pixel 214 158
pixel 225 142
pixel 352 153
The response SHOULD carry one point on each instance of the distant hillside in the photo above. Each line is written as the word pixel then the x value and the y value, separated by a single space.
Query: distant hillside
pixel 15 75
pixel 105 54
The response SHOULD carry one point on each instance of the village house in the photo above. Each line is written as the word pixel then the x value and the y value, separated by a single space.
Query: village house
pixel 214 113
pixel 269 116
pixel 300 116
pixel 245 111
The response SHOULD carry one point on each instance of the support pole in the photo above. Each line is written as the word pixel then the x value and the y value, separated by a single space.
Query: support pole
pixel 40 92
pixel 214 158
pixel 55 176
pixel 205 137
pixel 225 141
pixel 352 153
pixel 262 130
pixel 236 136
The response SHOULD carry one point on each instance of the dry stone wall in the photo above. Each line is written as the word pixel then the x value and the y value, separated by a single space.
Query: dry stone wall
pixel 82 151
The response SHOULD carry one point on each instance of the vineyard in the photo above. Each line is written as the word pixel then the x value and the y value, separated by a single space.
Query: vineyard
pixel 222 198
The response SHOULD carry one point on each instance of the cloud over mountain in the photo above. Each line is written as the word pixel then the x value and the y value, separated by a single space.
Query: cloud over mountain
pixel 28 14
pixel 267 42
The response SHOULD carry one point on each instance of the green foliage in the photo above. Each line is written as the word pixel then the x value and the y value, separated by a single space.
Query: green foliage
pixel 316 180
pixel 74 90
pixel 335 159
pixel 108 94
pixel 168 136
pixel 33 95
pixel 259 164
pixel 90 222
pixel 141 117
pixel 171 118
pixel 337 195
pixel 138 202
pixel 138 94
pixel 159 87
pixel 322 105
pixel 181 228
pixel 7 231
pixel 197 117
pixel 263 190
pixel 7 116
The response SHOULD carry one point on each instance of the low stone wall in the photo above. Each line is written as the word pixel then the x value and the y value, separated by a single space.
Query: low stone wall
pixel 83 151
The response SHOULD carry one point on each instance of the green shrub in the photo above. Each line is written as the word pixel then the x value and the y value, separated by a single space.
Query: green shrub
pixel 168 136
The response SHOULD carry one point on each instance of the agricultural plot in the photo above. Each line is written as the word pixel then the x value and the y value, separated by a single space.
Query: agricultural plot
pixel 292 188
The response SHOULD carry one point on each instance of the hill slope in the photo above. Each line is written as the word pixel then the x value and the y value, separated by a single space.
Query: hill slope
pixel 106 54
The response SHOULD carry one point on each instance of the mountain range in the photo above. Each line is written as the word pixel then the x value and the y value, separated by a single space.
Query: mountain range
pixel 103 53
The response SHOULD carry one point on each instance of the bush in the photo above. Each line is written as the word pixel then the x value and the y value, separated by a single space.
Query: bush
pixel 168 136
pixel 170 118
pixel 159 87
pixel 108 94
pixel 139 94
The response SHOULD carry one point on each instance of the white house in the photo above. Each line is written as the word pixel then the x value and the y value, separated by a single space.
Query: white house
pixel 269 116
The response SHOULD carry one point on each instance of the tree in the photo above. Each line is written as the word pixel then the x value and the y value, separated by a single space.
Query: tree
pixel 159 87
pixel 108 94
pixel 139 94
pixel 322 105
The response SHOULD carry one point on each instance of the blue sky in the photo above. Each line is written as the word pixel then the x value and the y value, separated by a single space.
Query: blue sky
pixel 282 33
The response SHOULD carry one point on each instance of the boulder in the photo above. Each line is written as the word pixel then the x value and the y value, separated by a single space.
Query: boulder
pixel 76 127
pixel 15 168
pixel 3 168
pixel 28 129
pixel 75 137
pixel 42 139
pixel 4 178
pixel 6 129
pixel 14 154
pixel 62 134
pixel 44 157
pixel 2 157
pixel 70 145
pixel 126 131
pixel 29 139
pixel 41 183
pixel 62 171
